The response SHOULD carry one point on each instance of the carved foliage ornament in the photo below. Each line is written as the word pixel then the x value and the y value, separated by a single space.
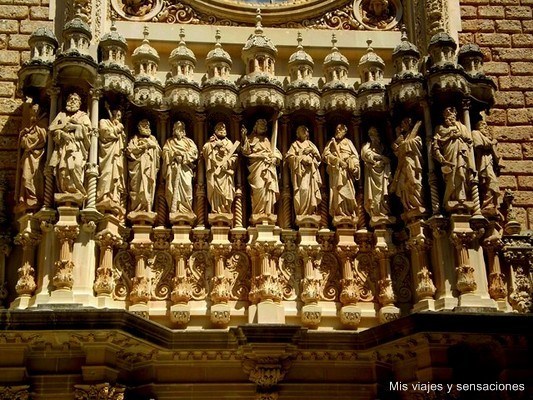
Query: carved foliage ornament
pixel 343 15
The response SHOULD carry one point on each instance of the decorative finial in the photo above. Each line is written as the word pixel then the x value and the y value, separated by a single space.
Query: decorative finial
pixel 334 42
pixel 403 29
pixel 258 19
pixel 145 34
pixel 369 49
pixel 217 38
pixel 299 39
pixel 113 26
pixel 182 36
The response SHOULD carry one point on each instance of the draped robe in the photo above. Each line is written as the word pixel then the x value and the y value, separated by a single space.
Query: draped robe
pixel 304 159
pixel 32 141
pixel 377 178
pixel 110 189
pixel 178 176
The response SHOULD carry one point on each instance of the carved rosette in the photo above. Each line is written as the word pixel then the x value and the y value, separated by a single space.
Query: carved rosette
pixel 425 288
pixel 15 392
pixel 181 290
pixel 310 290
pixel 64 267
pixel 521 297
pixel 26 273
pixel 140 290
pixel 350 292
pixel 221 292
pixel 102 391
pixel 264 288
pixel 386 294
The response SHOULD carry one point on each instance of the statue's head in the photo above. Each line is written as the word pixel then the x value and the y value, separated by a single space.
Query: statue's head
pixel 302 133
pixel 260 126
pixel 116 114
pixel 406 125
pixel 220 130
pixel 373 134
pixel 482 126
pixel 379 7
pixel 178 130
pixel 144 127
pixel 34 112
pixel 450 115
pixel 340 131
pixel 73 102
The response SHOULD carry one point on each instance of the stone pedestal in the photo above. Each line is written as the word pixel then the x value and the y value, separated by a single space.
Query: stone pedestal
pixel 383 250
pixel 47 253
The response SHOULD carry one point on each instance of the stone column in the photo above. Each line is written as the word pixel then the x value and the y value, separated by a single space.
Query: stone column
pixel 361 216
pixel 383 250
pixel 201 194
pixel 350 314
pixel 434 192
pixel 180 312
pixel 26 285
pixel 53 92
pixel 161 203
pixel 240 187
pixel 419 245
pixel 497 280
pixel 323 208
pixel 140 289
pixel 107 238
pixel 285 209
pixel 220 293
pixel 92 165
pixel 63 279
pixel 311 311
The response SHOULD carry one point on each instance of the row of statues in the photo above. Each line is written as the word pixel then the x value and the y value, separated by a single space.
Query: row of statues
pixel 453 147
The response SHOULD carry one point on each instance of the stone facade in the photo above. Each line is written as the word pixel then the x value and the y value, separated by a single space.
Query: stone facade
pixel 219 210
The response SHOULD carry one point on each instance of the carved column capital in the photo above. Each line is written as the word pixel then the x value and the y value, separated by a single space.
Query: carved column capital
pixel 182 250
pixel 67 233
pixel 141 250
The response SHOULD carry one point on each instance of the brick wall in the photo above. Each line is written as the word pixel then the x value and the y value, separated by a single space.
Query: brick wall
pixel 18 19
pixel 504 31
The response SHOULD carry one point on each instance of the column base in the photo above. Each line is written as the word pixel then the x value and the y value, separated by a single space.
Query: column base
pixel 311 315
pixel 266 312
pixel 220 315
pixel 388 314
pixel 471 302
pixel 446 303
pixel 61 296
pixel 108 302
pixel 21 303
pixel 180 314
pixel 424 305
pixel 350 316
pixel 141 310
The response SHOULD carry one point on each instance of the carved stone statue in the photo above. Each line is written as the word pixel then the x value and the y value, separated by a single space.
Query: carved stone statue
pixel 143 153
pixel 70 133
pixel 220 161
pixel 31 143
pixel 343 169
pixel 377 13
pixel 407 182
pixel 263 158
pixel 110 189
pixel 453 148
pixel 179 156
pixel 304 158
pixel 138 8
pixel 487 163
pixel 377 177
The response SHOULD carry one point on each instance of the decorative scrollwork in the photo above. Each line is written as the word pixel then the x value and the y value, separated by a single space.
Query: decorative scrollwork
pixel 200 270
pixel 123 271
pixel 330 276
pixel 290 271
pixel 401 278
pixel 365 275
pixel 162 269
pixel 238 266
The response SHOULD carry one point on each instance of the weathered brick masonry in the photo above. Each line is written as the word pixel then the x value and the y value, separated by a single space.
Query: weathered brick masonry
pixel 504 31
pixel 18 19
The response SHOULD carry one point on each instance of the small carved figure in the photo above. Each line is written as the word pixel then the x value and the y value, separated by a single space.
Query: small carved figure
pixel 453 148
pixel 220 156
pixel 32 142
pixel 488 164
pixel 179 156
pixel 377 13
pixel 138 8
pixel 70 132
pixel 303 158
pixel 407 182
pixel 377 177
pixel 143 153
pixel 343 169
pixel 263 159
pixel 110 189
